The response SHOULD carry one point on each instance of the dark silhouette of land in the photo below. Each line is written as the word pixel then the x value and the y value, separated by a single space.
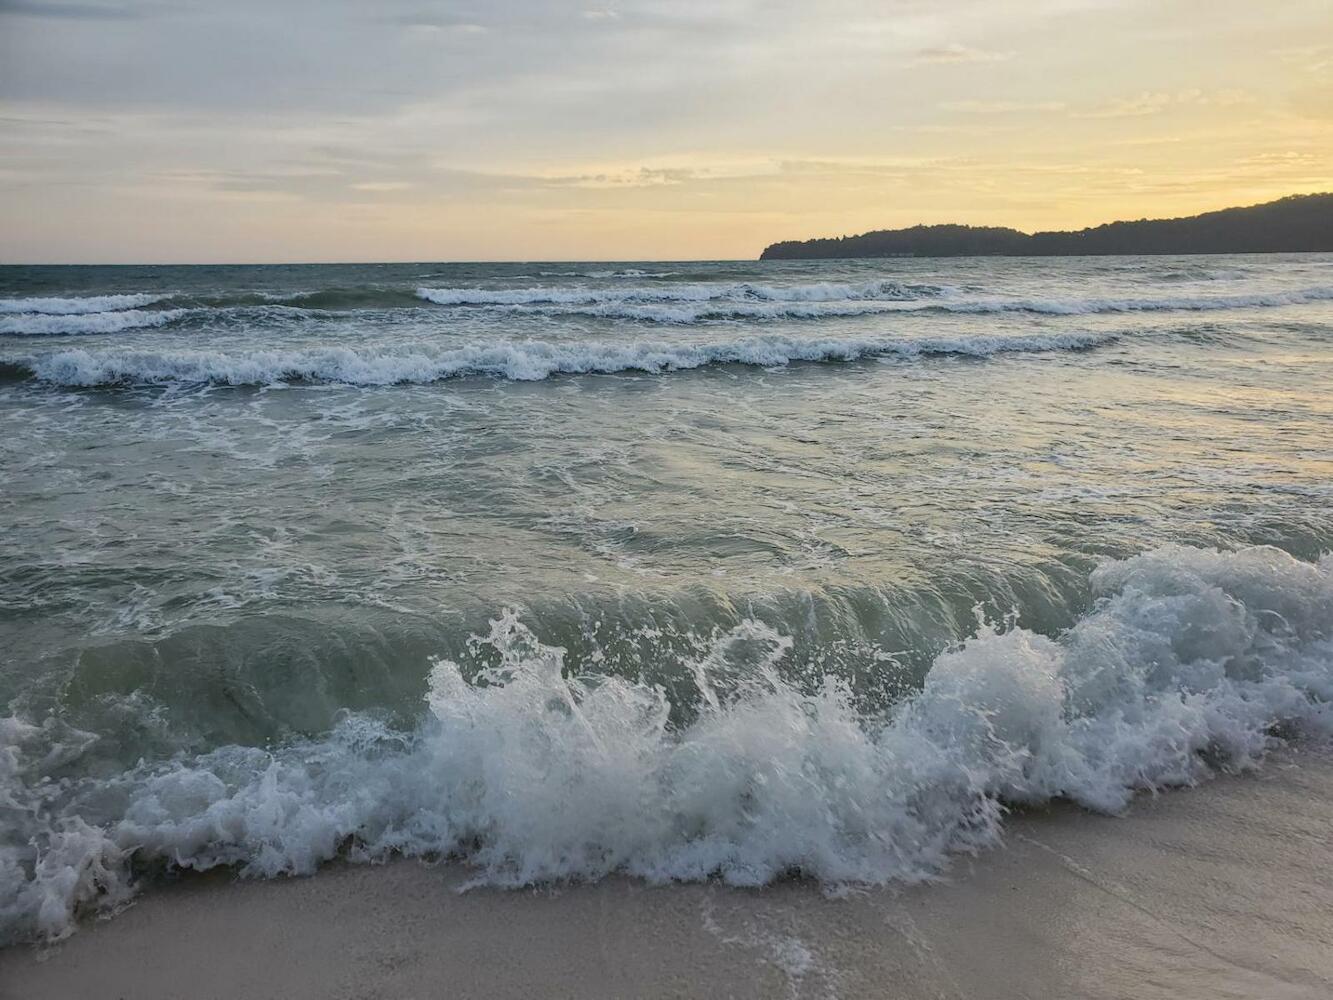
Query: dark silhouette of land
pixel 1296 224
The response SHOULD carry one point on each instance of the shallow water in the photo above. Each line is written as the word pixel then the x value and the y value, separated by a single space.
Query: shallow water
pixel 658 568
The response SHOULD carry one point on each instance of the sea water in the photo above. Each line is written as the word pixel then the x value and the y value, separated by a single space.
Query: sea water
pixel 682 570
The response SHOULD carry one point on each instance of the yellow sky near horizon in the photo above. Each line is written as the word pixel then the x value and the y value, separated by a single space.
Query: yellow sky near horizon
pixel 182 131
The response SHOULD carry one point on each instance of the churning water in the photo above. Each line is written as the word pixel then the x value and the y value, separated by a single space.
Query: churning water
pixel 682 570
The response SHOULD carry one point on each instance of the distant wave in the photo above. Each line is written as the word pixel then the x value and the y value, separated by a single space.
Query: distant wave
pixel 530 360
pixel 1193 303
pixel 719 310
pixel 1197 273
pixel 78 306
pixel 666 303
pixel 40 325
pixel 627 272
pixel 347 298
pixel 691 293
pixel 687 304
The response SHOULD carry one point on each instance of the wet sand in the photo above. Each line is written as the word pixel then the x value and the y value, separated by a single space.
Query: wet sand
pixel 1221 891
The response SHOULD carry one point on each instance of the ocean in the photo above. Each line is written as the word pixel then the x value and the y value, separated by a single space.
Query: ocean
pixel 685 571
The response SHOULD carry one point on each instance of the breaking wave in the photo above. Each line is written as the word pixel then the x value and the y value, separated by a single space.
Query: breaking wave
pixel 678 303
pixel 78 306
pixel 81 323
pixel 529 360
pixel 1192 303
pixel 695 303
pixel 624 272
pixel 1189 660
pixel 702 292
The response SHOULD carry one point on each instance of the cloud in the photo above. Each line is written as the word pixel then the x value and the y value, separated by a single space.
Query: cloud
pixel 382 187
pixel 69 11
pixel 1155 102
pixel 1138 106
pixel 1309 58
pixel 427 20
pixel 956 53
pixel 1003 107
pixel 624 178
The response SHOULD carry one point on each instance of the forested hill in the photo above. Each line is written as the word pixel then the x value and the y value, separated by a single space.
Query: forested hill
pixel 1293 224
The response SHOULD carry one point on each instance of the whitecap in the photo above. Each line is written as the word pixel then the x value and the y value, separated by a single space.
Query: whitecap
pixel 81 323
pixel 77 306
pixel 1188 661
pixel 526 360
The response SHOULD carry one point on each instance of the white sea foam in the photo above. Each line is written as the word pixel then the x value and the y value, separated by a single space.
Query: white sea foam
pixel 704 292
pixel 687 304
pixel 666 303
pixel 627 272
pixel 1186 303
pixel 78 306
pixel 714 310
pixel 1189 660
pixel 529 360
pixel 78 323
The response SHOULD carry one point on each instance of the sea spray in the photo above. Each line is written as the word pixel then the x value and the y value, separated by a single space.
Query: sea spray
pixel 1189 660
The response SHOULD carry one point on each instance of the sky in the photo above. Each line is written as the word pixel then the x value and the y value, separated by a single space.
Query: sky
pixel 327 130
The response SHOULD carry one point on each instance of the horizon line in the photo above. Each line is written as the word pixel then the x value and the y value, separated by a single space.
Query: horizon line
pixel 660 260
pixel 727 260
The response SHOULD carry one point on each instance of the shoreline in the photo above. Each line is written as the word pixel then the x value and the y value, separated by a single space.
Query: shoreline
pixel 1221 890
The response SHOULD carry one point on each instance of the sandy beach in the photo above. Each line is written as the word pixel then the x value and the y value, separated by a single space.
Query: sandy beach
pixel 1219 891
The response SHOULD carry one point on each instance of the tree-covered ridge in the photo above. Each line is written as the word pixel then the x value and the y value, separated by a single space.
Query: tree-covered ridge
pixel 1298 223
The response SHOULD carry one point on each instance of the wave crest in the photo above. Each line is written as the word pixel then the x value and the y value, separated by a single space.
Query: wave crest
pixel 530 360
pixel 687 304
pixel 703 292
pixel 53 306
pixel 1188 661
pixel 87 323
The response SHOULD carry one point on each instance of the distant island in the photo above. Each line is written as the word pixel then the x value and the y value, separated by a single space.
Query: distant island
pixel 1299 223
